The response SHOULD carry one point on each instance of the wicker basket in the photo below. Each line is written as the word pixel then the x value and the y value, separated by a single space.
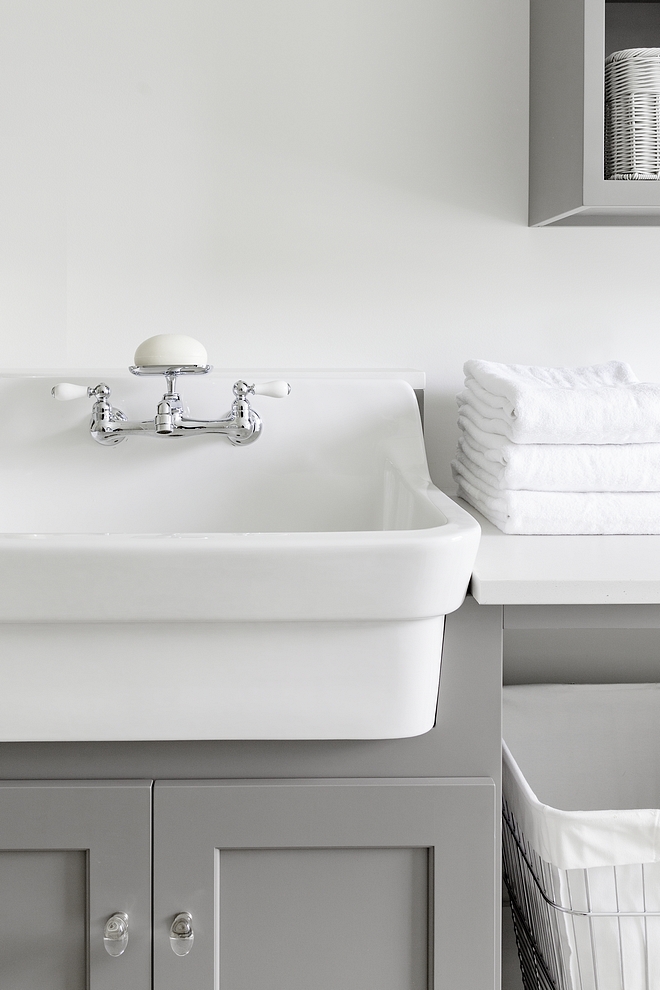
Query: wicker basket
pixel 632 114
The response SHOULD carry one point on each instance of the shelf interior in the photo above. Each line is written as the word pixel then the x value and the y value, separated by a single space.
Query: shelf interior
pixel 631 25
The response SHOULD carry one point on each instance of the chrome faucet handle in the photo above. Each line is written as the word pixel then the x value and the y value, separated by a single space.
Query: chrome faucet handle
pixel 277 389
pixel 104 415
pixel 65 391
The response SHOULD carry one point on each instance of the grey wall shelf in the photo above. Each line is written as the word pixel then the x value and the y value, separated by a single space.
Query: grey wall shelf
pixel 569 41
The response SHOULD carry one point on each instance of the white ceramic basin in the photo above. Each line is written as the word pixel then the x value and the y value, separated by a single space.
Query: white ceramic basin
pixel 189 589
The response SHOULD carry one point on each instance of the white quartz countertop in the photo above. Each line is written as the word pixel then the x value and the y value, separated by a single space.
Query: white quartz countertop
pixel 564 570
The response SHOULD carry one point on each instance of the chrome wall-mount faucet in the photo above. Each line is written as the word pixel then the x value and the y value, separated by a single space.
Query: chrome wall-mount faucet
pixel 162 355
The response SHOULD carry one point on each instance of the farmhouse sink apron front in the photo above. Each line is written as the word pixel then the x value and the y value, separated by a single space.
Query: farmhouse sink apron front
pixel 190 589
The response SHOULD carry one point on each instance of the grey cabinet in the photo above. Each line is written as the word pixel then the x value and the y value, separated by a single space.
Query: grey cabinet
pixel 339 884
pixel 325 864
pixel 72 854
pixel 569 40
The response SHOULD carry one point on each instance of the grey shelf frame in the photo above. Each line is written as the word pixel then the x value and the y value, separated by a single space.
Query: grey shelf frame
pixel 568 46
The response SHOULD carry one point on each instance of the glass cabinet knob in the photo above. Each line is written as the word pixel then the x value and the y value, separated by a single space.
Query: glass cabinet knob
pixel 115 934
pixel 182 935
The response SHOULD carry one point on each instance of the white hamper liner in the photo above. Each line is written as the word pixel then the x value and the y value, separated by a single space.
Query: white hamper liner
pixel 581 790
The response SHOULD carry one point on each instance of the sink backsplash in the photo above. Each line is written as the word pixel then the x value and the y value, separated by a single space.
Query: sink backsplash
pixel 320 464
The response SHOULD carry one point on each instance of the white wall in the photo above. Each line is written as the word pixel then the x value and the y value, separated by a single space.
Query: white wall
pixel 333 183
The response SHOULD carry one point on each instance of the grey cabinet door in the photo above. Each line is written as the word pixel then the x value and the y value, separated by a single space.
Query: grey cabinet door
pixel 338 884
pixel 71 855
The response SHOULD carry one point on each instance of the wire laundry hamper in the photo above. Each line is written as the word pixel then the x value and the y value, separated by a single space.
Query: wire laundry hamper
pixel 584 884
pixel 564 942
pixel 632 114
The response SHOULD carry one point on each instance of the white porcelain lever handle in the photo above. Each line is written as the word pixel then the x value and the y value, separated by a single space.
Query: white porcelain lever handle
pixel 65 391
pixel 276 390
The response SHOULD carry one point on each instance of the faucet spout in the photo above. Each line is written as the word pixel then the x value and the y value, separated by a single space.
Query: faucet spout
pixel 164 421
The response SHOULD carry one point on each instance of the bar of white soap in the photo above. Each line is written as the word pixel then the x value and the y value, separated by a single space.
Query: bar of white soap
pixel 170 349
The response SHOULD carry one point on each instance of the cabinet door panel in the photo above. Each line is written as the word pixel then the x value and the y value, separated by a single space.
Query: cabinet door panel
pixel 323 918
pixel 71 855
pixel 335 884
pixel 43 907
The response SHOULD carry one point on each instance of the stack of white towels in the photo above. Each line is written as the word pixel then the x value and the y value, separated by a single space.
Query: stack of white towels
pixel 560 450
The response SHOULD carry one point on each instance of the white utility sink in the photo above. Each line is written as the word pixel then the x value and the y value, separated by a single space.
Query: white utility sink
pixel 184 588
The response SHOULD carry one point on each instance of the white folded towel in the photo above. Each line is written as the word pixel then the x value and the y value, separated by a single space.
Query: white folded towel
pixel 567 513
pixel 552 467
pixel 516 382
pixel 600 404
